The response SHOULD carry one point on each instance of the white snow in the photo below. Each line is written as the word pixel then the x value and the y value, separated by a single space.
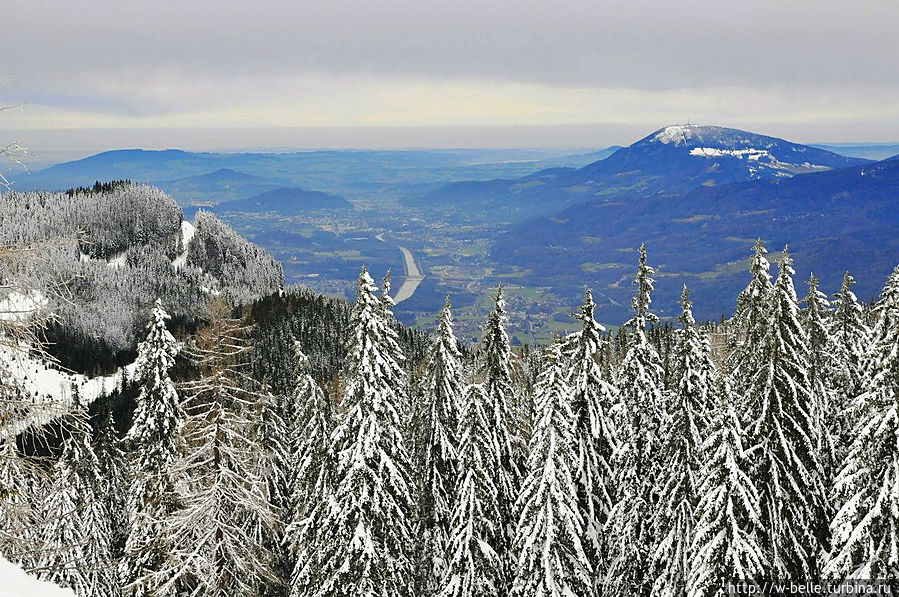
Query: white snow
pixel 187 233
pixel 46 383
pixel 714 152
pixel 762 157
pixel 18 306
pixel 15 582
pixel 674 134
pixel 117 260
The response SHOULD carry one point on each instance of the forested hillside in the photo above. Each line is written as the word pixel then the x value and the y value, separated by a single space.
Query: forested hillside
pixel 102 255
pixel 295 445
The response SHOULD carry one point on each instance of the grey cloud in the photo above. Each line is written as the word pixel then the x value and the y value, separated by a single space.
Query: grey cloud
pixel 634 44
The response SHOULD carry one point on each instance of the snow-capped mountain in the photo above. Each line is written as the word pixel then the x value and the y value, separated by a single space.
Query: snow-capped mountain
pixel 679 157
pixel 671 160
pixel 761 156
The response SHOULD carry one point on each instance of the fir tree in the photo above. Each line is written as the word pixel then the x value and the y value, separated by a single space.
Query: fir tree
pixel 442 388
pixel 474 568
pixel 726 537
pixel 551 560
pixel 780 414
pixel 595 437
pixel 866 526
pixel 750 318
pixel 277 470
pixel 849 334
pixel 60 537
pixel 687 421
pixel 815 319
pixel 497 376
pixel 152 440
pixel 99 522
pixel 113 481
pixel 311 478
pixel 640 390
pixel 218 535
pixel 19 540
pixel 396 358
pixel 369 541
pixel 76 533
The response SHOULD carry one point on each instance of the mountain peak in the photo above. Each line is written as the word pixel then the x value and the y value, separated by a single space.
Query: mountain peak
pixel 676 134
pixel 694 135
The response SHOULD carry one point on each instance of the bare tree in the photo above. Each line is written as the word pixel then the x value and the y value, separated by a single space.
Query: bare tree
pixel 13 152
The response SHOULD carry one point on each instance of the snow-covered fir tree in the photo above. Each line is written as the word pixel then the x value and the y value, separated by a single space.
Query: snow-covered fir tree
pixel 780 402
pixel 726 541
pixel 595 437
pixel 19 477
pixel 396 359
pixel 640 385
pixel 277 470
pixel 441 389
pixel 99 521
pixel 474 569
pixel 550 558
pixel 686 424
pixel 152 442
pixel 497 380
pixel 369 545
pixel 849 334
pixel 747 326
pixel 815 318
pixel 866 526
pixel 61 534
pixel 113 480
pixel 311 477
pixel 217 548
pixel 76 531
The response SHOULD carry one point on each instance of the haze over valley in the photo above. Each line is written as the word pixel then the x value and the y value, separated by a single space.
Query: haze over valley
pixel 543 223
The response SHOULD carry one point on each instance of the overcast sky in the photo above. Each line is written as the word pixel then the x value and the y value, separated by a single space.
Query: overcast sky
pixel 346 73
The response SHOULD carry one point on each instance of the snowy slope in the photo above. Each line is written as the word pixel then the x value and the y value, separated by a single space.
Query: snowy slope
pixel 49 385
pixel 17 306
pixel 187 233
pixel 15 582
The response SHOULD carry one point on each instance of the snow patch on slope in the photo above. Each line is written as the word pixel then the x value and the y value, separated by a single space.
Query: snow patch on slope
pixel 52 386
pixel 18 306
pixel 676 135
pixel 15 582
pixel 762 158
pixel 116 261
pixel 187 233
pixel 714 152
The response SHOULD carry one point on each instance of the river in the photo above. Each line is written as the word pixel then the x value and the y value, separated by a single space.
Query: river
pixel 413 277
pixel 413 273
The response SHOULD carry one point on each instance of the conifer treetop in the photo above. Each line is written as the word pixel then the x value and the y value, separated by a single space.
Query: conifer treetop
pixel 551 561
pixel 643 298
